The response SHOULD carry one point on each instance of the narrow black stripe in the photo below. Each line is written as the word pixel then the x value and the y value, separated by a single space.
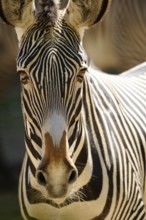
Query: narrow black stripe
pixel 3 17
pixel 102 11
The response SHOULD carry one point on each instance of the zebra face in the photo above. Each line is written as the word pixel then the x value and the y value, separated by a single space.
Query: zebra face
pixel 52 64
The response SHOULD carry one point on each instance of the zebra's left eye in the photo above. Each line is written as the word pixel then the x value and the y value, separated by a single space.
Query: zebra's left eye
pixel 24 77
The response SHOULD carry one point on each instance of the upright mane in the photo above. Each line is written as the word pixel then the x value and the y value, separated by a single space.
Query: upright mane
pixel 47 10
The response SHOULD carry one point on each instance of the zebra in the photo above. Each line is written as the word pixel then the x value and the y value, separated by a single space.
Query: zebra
pixel 84 129
pixel 118 42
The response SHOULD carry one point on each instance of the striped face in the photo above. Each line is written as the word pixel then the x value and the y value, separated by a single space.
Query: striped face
pixel 51 66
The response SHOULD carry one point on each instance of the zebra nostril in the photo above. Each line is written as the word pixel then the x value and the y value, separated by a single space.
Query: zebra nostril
pixel 40 177
pixel 73 176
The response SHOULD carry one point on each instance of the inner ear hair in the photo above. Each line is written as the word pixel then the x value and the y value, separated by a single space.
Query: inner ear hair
pixel 17 13
pixel 10 11
pixel 84 14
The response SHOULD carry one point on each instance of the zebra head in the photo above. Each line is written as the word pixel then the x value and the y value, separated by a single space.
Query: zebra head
pixel 52 64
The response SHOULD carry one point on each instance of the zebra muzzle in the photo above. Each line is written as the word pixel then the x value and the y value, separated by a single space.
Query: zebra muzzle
pixel 56 179
pixel 56 171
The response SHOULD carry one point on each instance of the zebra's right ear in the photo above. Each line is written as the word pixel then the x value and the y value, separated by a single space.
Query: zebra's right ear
pixel 85 13
pixel 16 13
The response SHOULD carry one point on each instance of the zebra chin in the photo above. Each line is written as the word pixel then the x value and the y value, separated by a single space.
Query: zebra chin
pixel 57 193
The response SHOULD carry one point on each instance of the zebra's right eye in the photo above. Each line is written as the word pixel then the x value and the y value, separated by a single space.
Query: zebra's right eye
pixel 24 77
pixel 81 74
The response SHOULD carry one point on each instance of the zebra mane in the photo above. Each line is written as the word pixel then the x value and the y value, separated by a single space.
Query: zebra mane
pixel 47 10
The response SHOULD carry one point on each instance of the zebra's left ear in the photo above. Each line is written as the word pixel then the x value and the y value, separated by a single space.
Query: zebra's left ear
pixel 85 13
